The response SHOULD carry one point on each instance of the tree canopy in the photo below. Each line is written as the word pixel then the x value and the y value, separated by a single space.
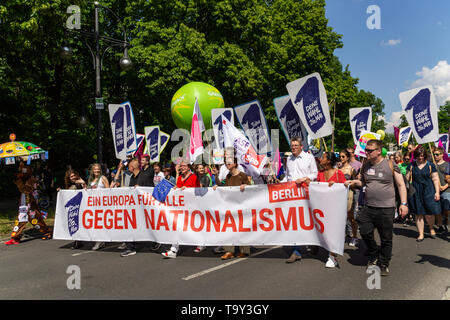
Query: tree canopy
pixel 247 49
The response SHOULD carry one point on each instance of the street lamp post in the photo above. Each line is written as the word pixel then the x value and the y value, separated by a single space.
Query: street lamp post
pixel 125 63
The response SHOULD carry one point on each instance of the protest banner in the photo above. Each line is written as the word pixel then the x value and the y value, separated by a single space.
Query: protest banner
pixel 404 135
pixel 360 120
pixel 130 133
pixel 152 140
pixel 362 142
pixel 216 121
pixel 218 155
pixel 309 97
pixel 117 120
pixel 290 120
pixel 252 120
pixel 274 214
pixel 420 108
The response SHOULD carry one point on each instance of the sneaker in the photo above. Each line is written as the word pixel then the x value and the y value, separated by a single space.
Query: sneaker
pixel 294 257
pixel 123 246
pixel 218 250
pixel 331 262
pixel 353 242
pixel 12 241
pixel 384 271
pixel 372 263
pixel 156 246
pixel 199 249
pixel 128 252
pixel 98 246
pixel 169 254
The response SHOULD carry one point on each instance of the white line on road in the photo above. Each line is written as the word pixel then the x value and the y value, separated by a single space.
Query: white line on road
pixel 201 273
pixel 90 251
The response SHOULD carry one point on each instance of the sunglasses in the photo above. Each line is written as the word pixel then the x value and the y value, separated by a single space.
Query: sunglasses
pixel 436 154
pixel 370 150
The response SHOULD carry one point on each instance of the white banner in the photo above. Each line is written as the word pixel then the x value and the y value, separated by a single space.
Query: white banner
pixel 360 120
pixel 309 97
pixel 420 110
pixel 274 214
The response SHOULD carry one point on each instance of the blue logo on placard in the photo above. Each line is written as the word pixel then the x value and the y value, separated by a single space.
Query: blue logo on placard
pixel 130 133
pixel 312 108
pixel 404 135
pixel 219 124
pixel 362 119
pixel 420 106
pixel 119 132
pixel 152 139
pixel 73 210
pixel 252 119
pixel 291 121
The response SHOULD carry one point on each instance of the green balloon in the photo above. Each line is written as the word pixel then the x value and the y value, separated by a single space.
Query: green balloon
pixel 384 152
pixel 183 101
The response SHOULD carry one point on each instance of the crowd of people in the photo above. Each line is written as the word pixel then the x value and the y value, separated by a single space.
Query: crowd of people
pixel 383 190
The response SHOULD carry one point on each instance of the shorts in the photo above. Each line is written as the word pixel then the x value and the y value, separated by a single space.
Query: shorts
pixel 445 201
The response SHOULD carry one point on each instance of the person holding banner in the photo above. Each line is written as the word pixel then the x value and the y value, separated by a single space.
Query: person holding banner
pixel 425 201
pixel 300 167
pixel 186 179
pixel 158 175
pixel 330 174
pixel 379 177
pixel 235 178
pixel 73 181
pixel 146 169
pixel 97 180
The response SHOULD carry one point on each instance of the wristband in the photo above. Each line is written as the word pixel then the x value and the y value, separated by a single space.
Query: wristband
pixel 404 204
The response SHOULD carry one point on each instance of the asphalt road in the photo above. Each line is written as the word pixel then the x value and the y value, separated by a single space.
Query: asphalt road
pixel 38 269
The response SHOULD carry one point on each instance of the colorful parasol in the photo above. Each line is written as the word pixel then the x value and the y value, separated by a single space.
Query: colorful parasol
pixel 23 149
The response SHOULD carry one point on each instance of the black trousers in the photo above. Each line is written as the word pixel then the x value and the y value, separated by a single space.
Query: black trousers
pixel 371 218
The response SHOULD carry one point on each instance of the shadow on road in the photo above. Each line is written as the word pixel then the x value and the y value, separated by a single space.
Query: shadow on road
pixel 410 233
pixel 434 260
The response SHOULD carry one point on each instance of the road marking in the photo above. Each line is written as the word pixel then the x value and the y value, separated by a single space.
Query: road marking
pixel 91 251
pixel 224 265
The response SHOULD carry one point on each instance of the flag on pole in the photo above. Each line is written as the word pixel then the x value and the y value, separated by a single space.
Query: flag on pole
pixel 396 133
pixel 197 127
pixel 250 161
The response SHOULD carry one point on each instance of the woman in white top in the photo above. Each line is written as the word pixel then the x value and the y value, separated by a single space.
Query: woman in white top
pixel 97 180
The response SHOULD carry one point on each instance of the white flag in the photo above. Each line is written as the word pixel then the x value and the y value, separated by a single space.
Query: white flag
pixel 246 155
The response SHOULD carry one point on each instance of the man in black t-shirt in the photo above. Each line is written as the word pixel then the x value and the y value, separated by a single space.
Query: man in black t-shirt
pixel 138 177
pixel 146 168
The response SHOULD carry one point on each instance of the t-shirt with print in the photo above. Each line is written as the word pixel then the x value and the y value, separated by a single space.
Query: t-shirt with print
pixel 379 182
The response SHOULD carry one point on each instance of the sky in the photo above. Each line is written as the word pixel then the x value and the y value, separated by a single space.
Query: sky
pixel 409 48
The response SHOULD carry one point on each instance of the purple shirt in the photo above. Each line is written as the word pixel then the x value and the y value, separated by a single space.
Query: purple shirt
pixel 356 165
